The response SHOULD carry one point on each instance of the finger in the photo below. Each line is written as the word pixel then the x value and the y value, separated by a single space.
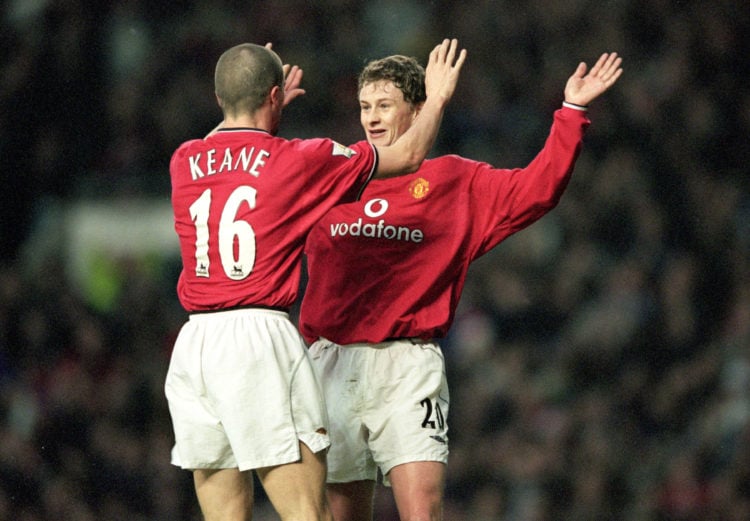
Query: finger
pixel 434 53
pixel 611 67
pixel 616 71
pixel 461 59
pixel 269 45
pixel 599 64
pixel 607 65
pixel 295 76
pixel 452 51
pixel 443 50
pixel 616 64
pixel 614 77
pixel 580 71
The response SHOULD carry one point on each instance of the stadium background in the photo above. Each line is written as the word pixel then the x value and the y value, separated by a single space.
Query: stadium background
pixel 599 364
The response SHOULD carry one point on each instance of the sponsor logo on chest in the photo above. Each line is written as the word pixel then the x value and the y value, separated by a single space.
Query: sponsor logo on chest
pixel 375 226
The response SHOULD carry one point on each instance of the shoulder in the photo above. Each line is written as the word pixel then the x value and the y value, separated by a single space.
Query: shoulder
pixel 185 148
pixel 331 148
pixel 452 165
pixel 449 159
pixel 187 145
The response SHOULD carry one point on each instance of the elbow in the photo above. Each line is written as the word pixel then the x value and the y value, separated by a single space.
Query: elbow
pixel 413 159
pixel 412 164
pixel 405 164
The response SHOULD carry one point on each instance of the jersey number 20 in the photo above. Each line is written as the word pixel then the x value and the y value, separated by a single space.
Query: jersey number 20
pixel 231 230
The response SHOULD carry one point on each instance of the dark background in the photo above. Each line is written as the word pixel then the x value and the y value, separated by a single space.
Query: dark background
pixel 599 362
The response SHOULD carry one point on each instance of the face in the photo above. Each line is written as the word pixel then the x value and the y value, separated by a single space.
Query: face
pixel 384 113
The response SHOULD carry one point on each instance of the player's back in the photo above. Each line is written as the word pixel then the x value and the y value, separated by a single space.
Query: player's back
pixel 243 204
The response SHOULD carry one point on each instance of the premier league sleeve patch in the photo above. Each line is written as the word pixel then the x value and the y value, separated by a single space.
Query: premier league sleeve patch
pixel 341 150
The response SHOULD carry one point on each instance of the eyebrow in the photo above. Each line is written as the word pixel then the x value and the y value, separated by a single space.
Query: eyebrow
pixel 379 100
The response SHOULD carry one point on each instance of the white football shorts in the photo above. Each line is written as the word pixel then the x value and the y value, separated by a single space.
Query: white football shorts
pixel 242 392
pixel 387 405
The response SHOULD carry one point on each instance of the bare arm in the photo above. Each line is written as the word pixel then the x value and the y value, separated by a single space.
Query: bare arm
pixel 441 76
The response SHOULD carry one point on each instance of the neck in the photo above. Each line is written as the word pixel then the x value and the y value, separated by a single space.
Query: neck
pixel 246 122
pixel 262 119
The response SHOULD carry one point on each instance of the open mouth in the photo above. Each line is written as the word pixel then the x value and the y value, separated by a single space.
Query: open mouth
pixel 376 133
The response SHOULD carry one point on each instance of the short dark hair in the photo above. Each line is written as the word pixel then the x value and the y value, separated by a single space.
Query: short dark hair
pixel 245 75
pixel 405 72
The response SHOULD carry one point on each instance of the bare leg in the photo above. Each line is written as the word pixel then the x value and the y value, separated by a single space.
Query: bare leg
pixel 297 490
pixel 224 494
pixel 418 490
pixel 351 501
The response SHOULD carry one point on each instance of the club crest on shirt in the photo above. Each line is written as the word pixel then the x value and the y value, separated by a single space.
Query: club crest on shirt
pixel 341 150
pixel 419 188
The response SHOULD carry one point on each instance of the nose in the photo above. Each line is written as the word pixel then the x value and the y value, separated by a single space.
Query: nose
pixel 371 116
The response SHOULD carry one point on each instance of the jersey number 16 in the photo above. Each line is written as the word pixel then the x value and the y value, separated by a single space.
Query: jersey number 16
pixel 231 230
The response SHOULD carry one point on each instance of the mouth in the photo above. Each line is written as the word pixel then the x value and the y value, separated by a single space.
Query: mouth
pixel 376 134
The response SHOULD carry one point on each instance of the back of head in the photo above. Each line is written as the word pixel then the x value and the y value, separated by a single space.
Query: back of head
pixel 406 73
pixel 244 76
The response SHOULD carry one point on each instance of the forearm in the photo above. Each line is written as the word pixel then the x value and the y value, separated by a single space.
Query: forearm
pixel 407 153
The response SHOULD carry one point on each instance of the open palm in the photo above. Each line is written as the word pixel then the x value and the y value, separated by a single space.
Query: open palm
pixel 583 88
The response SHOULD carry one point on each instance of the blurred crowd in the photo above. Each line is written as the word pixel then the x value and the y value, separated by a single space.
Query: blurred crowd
pixel 600 361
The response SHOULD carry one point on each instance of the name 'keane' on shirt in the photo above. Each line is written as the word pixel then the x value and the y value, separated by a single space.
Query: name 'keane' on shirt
pixel 215 162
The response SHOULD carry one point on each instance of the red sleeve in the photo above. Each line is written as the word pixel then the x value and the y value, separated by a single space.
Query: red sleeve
pixel 508 200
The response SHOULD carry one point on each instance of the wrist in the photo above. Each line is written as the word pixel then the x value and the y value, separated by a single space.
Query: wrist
pixel 575 106
pixel 436 100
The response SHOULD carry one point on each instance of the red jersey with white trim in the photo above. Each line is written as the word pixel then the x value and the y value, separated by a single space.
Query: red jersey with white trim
pixel 393 264
pixel 244 202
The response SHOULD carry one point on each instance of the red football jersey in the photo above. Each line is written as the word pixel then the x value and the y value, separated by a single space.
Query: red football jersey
pixel 393 264
pixel 243 204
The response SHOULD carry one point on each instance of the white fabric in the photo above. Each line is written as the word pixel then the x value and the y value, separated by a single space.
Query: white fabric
pixel 387 405
pixel 242 392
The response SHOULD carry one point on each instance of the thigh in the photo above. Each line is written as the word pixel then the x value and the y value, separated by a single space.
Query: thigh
pixel 407 410
pixel 225 494
pixel 297 490
pixel 418 489
pixel 351 501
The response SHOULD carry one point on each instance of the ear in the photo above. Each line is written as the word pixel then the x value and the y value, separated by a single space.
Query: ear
pixel 276 96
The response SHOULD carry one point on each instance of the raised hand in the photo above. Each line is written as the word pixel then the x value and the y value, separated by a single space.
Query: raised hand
pixel 582 89
pixel 292 80
pixel 442 71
